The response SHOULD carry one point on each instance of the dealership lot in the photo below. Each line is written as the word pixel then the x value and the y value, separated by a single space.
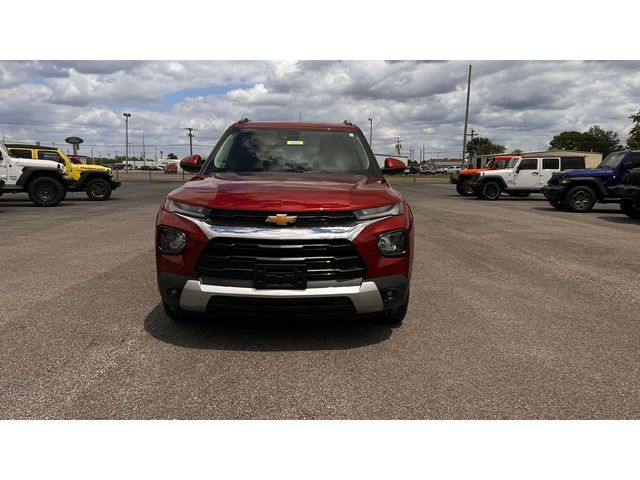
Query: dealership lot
pixel 518 311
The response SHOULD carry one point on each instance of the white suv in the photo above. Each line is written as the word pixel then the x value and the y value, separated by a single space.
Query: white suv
pixel 44 180
pixel 521 177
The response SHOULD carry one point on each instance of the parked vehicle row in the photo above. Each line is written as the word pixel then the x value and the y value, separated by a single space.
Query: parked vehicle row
pixel 564 181
pixel 46 174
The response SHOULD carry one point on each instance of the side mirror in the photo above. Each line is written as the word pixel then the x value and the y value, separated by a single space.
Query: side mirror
pixel 393 165
pixel 191 164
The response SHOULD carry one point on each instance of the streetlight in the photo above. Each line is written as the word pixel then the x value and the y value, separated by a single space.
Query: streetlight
pixel 370 132
pixel 126 149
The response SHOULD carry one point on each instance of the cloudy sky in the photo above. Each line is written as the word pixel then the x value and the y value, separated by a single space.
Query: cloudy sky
pixel 520 104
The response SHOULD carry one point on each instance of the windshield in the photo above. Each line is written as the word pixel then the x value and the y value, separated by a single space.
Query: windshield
pixel 290 150
pixel 612 160
pixel 513 162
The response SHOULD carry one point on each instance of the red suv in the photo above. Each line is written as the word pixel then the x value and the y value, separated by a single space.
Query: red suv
pixel 286 218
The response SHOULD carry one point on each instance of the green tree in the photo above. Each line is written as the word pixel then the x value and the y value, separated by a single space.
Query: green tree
pixel 484 146
pixel 595 139
pixel 567 141
pixel 517 151
pixel 633 142
pixel 599 140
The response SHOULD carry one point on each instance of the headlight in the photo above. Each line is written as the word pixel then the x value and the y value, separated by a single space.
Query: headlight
pixel 378 212
pixel 186 209
pixel 565 180
pixel 393 244
pixel 171 241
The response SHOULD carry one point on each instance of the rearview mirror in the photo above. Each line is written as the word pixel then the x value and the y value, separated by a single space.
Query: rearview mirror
pixel 393 165
pixel 191 164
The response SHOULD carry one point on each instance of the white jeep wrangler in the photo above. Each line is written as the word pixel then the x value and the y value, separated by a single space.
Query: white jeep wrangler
pixel 521 177
pixel 44 180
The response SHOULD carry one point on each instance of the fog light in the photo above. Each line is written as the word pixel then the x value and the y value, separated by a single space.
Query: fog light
pixel 392 244
pixel 390 294
pixel 171 241
pixel 172 292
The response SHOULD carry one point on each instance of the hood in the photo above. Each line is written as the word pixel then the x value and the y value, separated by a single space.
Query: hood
pixel 588 172
pixel 473 171
pixel 44 164
pixel 93 168
pixel 290 192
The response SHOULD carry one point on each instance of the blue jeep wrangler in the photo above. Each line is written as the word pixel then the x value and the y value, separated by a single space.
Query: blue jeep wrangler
pixel 579 190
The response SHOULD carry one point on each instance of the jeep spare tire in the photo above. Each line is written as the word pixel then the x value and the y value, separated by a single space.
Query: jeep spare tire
pixel 98 189
pixel 580 199
pixel 490 190
pixel 46 192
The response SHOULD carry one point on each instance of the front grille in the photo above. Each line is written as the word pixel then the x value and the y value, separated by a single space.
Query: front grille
pixel 301 307
pixel 242 259
pixel 259 219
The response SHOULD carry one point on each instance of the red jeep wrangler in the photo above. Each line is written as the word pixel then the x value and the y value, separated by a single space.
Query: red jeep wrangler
pixel 463 177
pixel 286 218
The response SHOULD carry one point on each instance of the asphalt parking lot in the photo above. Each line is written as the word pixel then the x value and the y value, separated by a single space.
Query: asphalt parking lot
pixel 518 311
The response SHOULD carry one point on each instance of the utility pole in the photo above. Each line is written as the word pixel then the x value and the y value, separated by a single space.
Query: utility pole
pixel 144 155
pixel 398 145
pixel 126 148
pixel 190 134
pixel 472 134
pixel 371 132
pixel 466 117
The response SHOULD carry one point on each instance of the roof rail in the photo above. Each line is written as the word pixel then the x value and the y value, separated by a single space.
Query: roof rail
pixel 243 120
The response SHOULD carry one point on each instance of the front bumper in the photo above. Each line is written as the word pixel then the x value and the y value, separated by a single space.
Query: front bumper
pixel 555 193
pixel 114 184
pixel 371 296
pixel 627 191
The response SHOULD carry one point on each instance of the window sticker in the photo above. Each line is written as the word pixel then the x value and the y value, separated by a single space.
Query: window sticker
pixel 295 142
pixel 351 134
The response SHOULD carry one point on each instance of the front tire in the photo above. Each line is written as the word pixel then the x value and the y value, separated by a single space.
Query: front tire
pixel 98 189
pixel 490 190
pixel 176 314
pixel 46 192
pixel 395 316
pixel 464 188
pixel 630 208
pixel 580 199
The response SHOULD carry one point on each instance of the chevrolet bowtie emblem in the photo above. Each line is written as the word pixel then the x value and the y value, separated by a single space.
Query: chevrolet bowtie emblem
pixel 281 219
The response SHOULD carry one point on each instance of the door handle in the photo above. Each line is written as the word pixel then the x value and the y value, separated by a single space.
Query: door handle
pixel 535 173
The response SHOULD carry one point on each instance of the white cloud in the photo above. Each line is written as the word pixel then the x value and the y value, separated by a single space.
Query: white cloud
pixel 519 104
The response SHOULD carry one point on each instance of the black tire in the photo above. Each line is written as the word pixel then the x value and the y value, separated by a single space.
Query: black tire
pixel 98 189
pixel 394 317
pixel 176 313
pixel 46 192
pixel 490 190
pixel 1 193
pixel 518 194
pixel 558 205
pixel 464 189
pixel 580 199
pixel 630 208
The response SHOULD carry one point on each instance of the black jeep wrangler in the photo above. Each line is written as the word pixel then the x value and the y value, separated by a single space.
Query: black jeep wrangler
pixel 629 191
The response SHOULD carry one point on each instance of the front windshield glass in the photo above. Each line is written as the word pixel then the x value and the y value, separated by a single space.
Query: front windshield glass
pixel 290 150
pixel 501 163
pixel 612 160
pixel 513 162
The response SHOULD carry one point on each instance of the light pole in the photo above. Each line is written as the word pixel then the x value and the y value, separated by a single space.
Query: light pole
pixel 126 148
pixel 370 132
pixel 190 134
